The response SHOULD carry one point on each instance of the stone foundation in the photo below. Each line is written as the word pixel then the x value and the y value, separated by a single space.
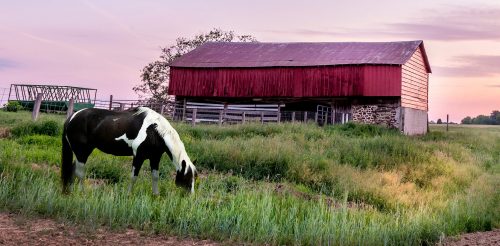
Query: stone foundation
pixel 379 113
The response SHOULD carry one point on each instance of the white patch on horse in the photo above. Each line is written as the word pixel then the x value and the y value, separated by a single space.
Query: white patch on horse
pixel 124 138
pixel 115 119
pixel 74 114
pixel 142 134
pixel 80 170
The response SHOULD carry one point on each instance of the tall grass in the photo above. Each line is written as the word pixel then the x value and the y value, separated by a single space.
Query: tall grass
pixel 350 184
pixel 254 212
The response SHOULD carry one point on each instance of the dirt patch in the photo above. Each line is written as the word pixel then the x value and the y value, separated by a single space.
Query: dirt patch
pixel 19 230
pixel 4 132
pixel 473 239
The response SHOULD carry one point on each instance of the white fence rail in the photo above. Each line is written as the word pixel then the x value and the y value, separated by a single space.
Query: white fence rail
pixel 226 113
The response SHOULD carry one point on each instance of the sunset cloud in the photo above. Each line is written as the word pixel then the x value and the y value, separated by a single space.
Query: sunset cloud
pixel 447 24
pixel 471 66
pixel 471 23
pixel 6 63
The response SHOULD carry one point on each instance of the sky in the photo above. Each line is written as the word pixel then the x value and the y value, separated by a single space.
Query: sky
pixel 104 44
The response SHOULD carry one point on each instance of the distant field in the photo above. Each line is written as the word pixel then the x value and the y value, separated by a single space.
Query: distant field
pixel 455 126
pixel 275 184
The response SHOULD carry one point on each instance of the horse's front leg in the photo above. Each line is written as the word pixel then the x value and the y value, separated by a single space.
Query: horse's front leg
pixel 155 174
pixel 136 167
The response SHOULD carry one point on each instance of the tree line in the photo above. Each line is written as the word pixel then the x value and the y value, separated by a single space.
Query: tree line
pixel 492 119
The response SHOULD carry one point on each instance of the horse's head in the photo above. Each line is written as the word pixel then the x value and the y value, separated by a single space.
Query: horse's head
pixel 186 176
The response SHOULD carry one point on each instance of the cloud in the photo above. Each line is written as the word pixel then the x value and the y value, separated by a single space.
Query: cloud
pixel 471 66
pixel 493 85
pixel 113 19
pixel 66 45
pixel 447 24
pixel 6 63
pixel 453 23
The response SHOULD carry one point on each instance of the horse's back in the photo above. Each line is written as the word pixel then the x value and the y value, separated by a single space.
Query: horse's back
pixel 99 128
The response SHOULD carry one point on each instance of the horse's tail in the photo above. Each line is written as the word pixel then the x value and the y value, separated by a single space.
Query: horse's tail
pixel 67 165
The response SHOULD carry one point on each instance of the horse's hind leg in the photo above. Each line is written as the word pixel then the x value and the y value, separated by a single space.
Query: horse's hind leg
pixel 81 158
pixel 136 167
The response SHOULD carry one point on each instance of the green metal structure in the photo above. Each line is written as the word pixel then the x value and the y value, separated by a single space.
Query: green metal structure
pixel 55 97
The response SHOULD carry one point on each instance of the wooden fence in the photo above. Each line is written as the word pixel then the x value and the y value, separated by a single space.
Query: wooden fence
pixel 212 113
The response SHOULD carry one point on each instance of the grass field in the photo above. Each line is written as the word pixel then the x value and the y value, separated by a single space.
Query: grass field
pixel 275 184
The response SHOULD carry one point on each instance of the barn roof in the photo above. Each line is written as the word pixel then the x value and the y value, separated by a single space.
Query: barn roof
pixel 256 54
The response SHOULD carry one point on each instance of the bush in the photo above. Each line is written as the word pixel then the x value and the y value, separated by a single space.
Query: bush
pixel 49 127
pixel 12 106
pixel 111 173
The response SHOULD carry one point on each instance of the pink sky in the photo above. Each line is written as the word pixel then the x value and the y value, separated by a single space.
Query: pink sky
pixel 105 44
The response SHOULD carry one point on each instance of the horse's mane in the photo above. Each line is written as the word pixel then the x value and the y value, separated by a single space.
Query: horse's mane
pixel 169 135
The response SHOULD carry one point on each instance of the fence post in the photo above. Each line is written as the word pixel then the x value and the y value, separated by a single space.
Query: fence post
pixel 243 115
pixel 184 111
pixel 333 115
pixel 262 117
pixel 161 109
pixel 305 116
pixel 193 117
pixel 221 113
pixel 316 117
pixel 71 107
pixel 36 107
pixel 110 102
pixel 447 119
pixel 122 106
pixel 279 113
pixel 293 117
pixel 173 111
pixel 325 118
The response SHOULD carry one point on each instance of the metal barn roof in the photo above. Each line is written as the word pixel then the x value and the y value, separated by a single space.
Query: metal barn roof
pixel 256 54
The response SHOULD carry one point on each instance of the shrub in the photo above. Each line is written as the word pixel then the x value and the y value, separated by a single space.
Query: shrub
pixel 363 130
pixel 12 106
pixel 49 127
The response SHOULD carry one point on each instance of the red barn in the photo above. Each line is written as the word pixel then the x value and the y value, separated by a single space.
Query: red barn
pixel 374 82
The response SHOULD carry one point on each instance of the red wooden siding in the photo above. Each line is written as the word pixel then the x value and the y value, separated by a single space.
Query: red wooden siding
pixel 319 81
pixel 414 85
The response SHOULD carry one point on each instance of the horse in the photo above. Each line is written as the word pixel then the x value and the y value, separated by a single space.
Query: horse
pixel 138 132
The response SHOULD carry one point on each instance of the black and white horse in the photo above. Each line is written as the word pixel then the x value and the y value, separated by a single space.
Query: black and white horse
pixel 139 132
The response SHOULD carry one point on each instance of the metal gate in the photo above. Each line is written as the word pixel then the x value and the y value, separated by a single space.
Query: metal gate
pixel 324 114
pixel 339 114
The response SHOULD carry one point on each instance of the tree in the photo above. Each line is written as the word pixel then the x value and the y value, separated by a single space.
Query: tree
pixel 495 117
pixel 439 121
pixel 482 120
pixel 467 120
pixel 155 75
